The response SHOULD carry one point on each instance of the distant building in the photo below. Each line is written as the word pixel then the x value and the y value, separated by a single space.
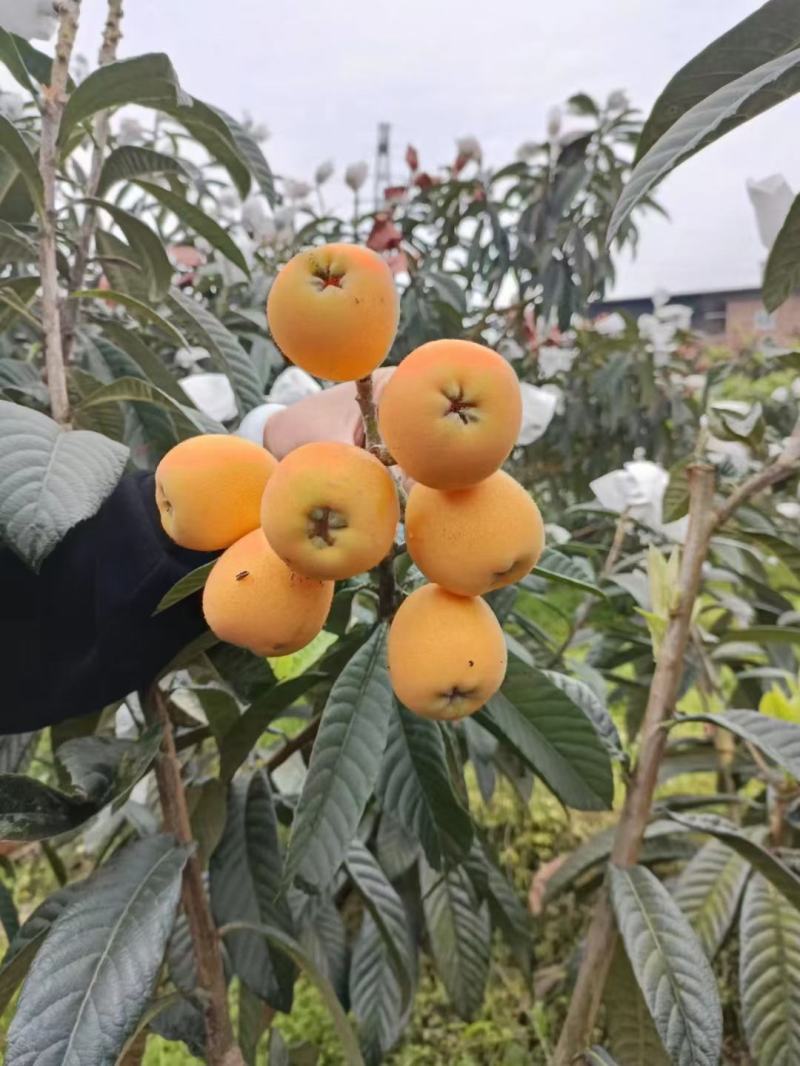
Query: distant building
pixel 735 318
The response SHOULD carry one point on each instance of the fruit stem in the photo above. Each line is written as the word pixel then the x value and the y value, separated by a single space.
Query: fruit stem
pixel 369 414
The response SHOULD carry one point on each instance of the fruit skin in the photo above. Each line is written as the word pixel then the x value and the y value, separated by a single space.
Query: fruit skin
pixel 471 541
pixel 334 311
pixel 254 600
pixel 451 413
pixel 447 654
pixel 209 489
pixel 334 492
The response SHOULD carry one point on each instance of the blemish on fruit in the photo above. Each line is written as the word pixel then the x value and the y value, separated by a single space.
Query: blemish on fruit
pixel 471 662
pixel 242 575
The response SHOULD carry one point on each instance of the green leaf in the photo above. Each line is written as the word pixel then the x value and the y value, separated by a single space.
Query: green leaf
pixel 151 366
pixel 709 890
pixel 746 843
pixel 507 911
pixel 674 975
pixel 777 739
pixel 632 1036
pixel 12 60
pixel 147 80
pixel 13 143
pixel 187 586
pixel 8 912
pixel 416 790
pixel 565 570
pixel 771 31
pixel 30 937
pixel 708 120
pixel 209 128
pixel 769 975
pixel 323 937
pixel 763 635
pixel 598 1056
pixel 251 153
pixel 132 161
pixel 225 349
pixel 593 707
pixel 253 1023
pixel 107 768
pixel 281 942
pixel 31 810
pixel 145 243
pixel 137 308
pixel 552 736
pixel 459 936
pixel 64 478
pixel 388 913
pixel 246 880
pixel 344 767
pixel 16 295
pixel 188 421
pixel 676 497
pixel 375 995
pixel 198 221
pixel 111 942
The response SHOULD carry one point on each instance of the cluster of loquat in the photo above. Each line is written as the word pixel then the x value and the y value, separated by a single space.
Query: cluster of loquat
pixel 449 416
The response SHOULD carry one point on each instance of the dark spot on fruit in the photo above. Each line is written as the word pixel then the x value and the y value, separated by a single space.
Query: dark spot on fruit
pixel 242 575
pixel 471 663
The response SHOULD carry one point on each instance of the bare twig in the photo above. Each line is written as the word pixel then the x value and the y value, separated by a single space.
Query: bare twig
pixel 297 743
pixel 704 521
pixel 54 97
pixel 369 414
pixel 112 34
pixel 220 1042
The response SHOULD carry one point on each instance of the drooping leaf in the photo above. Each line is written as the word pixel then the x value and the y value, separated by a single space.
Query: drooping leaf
pixel 150 365
pixel 253 1021
pixel 65 478
pixel 415 789
pixel 459 935
pixel 387 911
pixel 105 768
pixel 198 221
pixel 209 128
pixel 771 31
pixel 747 843
pixel 280 941
pixel 111 942
pixel 246 875
pixel 188 421
pixel 225 349
pixel 593 707
pixel 396 849
pixel 146 245
pixel 632 1035
pixel 709 890
pixel 344 767
pixel 708 120
pixel 13 143
pixel 131 161
pixel 138 308
pixel 375 995
pixel 566 570
pixel 506 909
pixel 147 80
pixel 185 587
pixel 769 974
pixel 552 736
pixel 323 937
pixel 252 155
pixel 777 739
pixel 673 973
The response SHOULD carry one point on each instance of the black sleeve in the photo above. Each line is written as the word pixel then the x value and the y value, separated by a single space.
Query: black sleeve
pixel 81 633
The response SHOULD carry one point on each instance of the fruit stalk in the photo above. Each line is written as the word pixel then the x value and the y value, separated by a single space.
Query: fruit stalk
pixel 220 1043
pixel 54 97
pixel 112 35
pixel 369 414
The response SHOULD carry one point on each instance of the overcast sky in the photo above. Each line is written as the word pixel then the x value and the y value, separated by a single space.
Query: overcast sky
pixel 322 73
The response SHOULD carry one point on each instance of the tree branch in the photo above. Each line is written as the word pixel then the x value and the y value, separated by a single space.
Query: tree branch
pixel 112 35
pixel 54 97
pixel 220 1043
pixel 787 463
pixel 297 743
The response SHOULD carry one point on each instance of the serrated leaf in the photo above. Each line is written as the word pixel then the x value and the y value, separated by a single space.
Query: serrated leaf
pixel 145 244
pixel 709 119
pixel 632 1036
pixel 674 975
pixel 131 161
pixel 13 144
pixel 50 479
pixel 147 80
pixel 771 31
pixel 225 349
pixel 552 736
pixel 344 767
pixel 197 220
pixel 709 890
pixel 375 994
pixel 185 587
pixel 387 911
pixel 188 421
pixel 566 570
pixel 415 788
pixel 777 739
pixel 111 941
pixel 245 878
pixel 769 974
pixel 593 707
pixel 459 935
pixel 746 842
pixel 279 940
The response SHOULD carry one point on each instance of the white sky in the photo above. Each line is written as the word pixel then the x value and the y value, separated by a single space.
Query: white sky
pixel 322 73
